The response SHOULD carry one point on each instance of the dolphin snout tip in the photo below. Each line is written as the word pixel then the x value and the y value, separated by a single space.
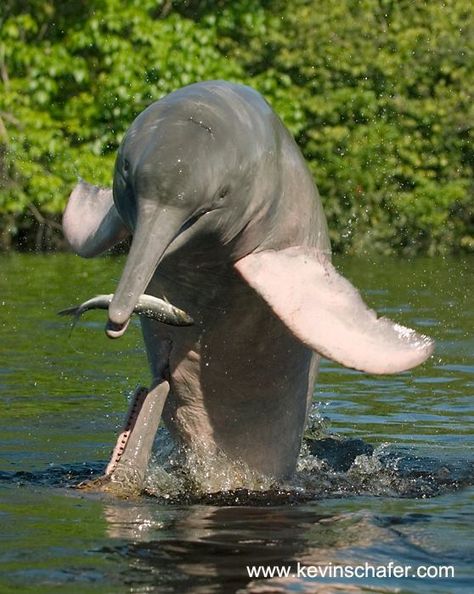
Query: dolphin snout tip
pixel 115 329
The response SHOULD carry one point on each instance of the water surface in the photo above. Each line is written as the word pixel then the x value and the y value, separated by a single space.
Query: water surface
pixel 64 395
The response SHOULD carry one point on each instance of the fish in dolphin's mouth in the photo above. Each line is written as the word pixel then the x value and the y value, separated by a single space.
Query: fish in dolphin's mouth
pixel 147 305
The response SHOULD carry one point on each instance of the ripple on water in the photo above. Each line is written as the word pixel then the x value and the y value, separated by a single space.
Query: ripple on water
pixel 63 399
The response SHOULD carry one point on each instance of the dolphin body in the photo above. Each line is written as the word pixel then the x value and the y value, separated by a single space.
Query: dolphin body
pixel 228 224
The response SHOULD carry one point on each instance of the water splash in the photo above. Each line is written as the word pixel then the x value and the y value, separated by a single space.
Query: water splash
pixel 178 472
pixel 328 467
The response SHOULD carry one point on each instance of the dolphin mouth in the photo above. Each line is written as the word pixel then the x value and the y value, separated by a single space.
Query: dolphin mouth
pixel 116 329
pixel 131 455
pixel 122 440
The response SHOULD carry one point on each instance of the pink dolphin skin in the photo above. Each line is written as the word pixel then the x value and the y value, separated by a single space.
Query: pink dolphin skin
pixel 227 224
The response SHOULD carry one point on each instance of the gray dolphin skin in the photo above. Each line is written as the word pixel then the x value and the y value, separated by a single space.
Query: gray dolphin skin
pixel 226 221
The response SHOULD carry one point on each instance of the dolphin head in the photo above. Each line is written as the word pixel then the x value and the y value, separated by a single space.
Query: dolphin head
pixel 184 171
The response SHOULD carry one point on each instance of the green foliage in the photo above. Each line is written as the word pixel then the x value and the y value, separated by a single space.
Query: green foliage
pixel 378 94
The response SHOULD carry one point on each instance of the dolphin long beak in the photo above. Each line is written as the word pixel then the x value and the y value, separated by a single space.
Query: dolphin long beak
pixel 152 236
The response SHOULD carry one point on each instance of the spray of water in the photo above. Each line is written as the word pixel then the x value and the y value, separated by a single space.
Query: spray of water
pixel 328 466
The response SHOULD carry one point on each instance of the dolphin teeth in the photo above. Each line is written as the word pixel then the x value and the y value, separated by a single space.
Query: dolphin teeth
pixel 122 440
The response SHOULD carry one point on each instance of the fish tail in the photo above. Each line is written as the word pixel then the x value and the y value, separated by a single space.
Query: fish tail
pixel 70 311
pixel 75 312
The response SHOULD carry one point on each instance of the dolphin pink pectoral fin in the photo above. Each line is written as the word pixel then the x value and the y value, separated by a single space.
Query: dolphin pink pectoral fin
pixel 327 313
pixel 91 222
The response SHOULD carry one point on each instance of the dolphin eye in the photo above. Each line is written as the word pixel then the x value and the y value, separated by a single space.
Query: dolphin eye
pixel 223 192
pixel 220 196
pixel 126 165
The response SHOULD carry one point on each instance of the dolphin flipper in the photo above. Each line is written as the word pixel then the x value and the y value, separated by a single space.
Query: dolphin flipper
pixel 91 222
pixel 327 313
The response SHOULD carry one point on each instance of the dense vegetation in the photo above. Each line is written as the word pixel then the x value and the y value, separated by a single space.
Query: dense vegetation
pixel 378 94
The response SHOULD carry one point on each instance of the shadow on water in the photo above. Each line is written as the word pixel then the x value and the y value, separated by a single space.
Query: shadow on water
pixel 210 549
pixel 221 542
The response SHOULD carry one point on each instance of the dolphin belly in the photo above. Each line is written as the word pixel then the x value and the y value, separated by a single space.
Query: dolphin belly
pixel 240 382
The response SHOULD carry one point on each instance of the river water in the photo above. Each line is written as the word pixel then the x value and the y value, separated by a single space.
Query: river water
pixel 407 498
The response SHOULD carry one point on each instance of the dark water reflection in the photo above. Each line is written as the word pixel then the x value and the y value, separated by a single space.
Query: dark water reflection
pixel 63 399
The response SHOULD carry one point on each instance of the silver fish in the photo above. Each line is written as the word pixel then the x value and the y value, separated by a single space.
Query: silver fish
pixel 147 305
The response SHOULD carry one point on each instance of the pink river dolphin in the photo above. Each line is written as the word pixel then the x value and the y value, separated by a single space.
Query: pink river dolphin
pixel 227 223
